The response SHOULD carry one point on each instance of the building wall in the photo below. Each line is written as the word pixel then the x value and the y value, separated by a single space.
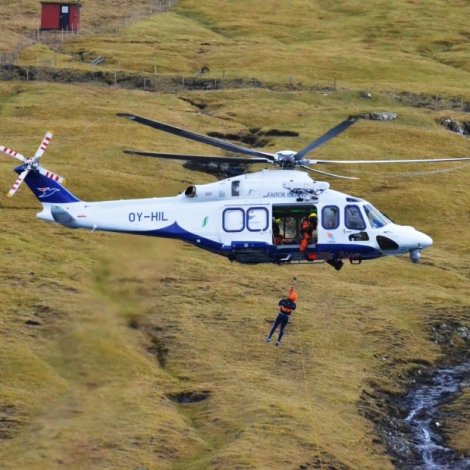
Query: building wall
pixel 50 16
pixel 74 20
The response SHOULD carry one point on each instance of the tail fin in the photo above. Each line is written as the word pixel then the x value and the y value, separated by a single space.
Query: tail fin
pixel 46 189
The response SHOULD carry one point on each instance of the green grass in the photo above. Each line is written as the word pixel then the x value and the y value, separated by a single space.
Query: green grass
pixel 123 322
pixel 399 46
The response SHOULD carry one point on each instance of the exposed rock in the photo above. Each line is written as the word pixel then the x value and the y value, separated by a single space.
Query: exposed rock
pixel 462 128
pixel 379 116
pixel 464 332
pixel 443 332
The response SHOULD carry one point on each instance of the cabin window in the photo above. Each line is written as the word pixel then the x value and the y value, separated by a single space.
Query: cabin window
pixel 233 220
pixel 236 188
pixel 257 219
pixel 330 217
pixel 376 218
pixel 353 218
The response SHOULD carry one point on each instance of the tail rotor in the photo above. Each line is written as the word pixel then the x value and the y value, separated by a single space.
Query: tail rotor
pixel 30 164
pixel 17 183
pixel 43 146
pixel 11 153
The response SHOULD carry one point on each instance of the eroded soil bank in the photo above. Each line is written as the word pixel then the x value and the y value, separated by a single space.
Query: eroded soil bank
pixel 173 84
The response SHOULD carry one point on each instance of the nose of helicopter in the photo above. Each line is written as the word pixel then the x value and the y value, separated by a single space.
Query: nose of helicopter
pixel 423 240
pixel 408 238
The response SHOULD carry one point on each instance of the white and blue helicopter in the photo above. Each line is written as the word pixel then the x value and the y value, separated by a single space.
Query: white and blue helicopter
pixel 251 218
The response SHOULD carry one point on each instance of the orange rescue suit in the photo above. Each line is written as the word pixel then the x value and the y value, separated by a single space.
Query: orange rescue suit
pixel 306 230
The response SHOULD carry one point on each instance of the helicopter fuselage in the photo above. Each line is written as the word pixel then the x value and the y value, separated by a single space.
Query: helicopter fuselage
pixel 252 218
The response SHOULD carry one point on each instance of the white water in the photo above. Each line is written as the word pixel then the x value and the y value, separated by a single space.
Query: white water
pixel 424 403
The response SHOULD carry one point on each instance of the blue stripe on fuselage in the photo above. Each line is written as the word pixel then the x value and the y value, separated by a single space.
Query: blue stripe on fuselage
pixel 325 251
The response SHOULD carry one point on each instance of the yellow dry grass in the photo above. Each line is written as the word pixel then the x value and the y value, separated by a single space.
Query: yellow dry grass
pixel 98 329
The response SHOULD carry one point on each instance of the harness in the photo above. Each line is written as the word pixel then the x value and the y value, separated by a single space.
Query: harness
pixel 285 310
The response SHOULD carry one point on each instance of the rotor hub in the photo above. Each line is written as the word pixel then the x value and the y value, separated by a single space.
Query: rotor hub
pixel 285 158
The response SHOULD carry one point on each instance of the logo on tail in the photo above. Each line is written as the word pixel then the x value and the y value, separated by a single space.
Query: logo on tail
pixel 46 192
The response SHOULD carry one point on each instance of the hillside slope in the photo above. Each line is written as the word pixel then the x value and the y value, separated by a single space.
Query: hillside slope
pixel 124 352
pixel 393 47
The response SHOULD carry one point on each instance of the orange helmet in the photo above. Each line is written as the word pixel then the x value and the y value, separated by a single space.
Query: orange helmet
pixel 292 296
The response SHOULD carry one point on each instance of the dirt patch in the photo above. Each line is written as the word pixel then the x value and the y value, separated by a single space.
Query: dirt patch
pixel 9 421
pixel 188 397
pixel 324 462
pixel 219 170
pixel 156 343
pixel 436 102
pixel 254 137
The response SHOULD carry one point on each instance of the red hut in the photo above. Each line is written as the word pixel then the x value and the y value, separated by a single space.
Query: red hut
pixel 60 15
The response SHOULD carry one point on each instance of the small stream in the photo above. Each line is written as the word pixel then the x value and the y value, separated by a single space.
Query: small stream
pixel 423 405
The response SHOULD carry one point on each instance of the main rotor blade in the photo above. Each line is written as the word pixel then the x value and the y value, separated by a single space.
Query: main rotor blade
pixel 205 139
pixel 361 162
pixel 341 127
pixel 11 153
pixel 329 174
pixel 43 146
pixel 18 182
pixel 199 158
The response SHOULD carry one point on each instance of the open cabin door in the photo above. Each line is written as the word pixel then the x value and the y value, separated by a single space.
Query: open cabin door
pixel 287 223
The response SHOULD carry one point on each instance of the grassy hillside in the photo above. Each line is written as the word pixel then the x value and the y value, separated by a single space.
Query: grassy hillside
pixel 101 334
pixel 393 47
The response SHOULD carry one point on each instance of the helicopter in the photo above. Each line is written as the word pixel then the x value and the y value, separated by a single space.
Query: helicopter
pixel 251 218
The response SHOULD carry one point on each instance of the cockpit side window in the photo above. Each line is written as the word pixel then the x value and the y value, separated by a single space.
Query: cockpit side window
pixel 353 218
pixel 376 218
pixel 330 217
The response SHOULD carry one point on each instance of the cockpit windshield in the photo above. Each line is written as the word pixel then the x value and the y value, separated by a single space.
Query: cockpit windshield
pixel 376 218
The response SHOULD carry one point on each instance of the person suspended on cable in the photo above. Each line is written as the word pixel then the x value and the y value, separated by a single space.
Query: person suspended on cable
pixel 286 307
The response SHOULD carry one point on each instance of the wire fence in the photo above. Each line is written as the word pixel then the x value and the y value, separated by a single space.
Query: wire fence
pixel 55 38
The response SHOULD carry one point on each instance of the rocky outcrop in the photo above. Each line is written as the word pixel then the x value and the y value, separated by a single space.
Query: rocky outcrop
pixel 460 127
pixel 379 116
